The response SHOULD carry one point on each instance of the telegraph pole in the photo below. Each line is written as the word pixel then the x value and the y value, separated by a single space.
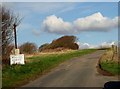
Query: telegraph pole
pixel 14 27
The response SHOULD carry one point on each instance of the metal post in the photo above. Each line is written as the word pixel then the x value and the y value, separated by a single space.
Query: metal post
pixel 14 27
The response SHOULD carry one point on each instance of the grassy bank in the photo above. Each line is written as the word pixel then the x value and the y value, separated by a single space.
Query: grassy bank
pixel 16 75
pixel 112 67
pixel 109 62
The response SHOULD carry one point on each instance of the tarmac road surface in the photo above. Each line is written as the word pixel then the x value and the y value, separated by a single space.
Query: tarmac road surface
pixel 76 72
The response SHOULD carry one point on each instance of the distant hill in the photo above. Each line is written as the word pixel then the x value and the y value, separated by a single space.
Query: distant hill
pixel 64 42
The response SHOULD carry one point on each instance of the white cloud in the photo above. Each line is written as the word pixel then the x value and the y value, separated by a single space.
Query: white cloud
pixel 94 22
pixel 86 45
pixel 108 44
pixel 102 45
pixel 54 24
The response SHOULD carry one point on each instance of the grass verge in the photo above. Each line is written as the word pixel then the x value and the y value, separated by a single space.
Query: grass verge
pixel 111 67
pixel 16 75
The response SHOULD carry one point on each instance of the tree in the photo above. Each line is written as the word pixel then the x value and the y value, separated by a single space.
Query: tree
pixel 28 48
pixel 6 30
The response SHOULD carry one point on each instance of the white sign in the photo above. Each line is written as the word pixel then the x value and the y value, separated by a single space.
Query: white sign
pixel 17 59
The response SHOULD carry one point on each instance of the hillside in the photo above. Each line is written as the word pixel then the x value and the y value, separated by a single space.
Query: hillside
pixel 62 43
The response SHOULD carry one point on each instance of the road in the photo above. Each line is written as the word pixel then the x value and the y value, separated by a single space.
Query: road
pixel 77 72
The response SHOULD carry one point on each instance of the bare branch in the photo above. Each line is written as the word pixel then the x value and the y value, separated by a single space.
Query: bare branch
pixel 8 20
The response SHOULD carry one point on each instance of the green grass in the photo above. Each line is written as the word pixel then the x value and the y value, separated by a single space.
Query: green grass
pixel 16 75
pixel 112 67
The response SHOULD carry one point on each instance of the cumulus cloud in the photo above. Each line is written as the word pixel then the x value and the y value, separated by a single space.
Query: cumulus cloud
pixel 94 22
pixel 54 24
pixel 102 45
pixel 86 45
pixel 108 44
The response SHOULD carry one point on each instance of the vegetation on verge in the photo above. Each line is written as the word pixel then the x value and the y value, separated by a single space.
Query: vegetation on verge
pixel 16 75
pixel 109 62
pixel 112 67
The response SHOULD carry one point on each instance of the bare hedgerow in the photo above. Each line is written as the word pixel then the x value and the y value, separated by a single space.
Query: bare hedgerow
pixel 8 19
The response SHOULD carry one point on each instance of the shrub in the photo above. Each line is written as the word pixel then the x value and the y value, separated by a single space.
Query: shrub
pixel 28 48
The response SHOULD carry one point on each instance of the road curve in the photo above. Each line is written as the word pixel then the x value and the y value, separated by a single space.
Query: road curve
pixel 77 72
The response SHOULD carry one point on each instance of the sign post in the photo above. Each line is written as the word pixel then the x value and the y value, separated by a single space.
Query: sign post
pixel 17 58
pixel 14 27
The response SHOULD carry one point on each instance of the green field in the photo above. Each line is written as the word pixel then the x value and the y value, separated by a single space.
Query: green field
pixel 17 75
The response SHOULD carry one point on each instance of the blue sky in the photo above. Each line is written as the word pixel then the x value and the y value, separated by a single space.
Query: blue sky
pixel 44 22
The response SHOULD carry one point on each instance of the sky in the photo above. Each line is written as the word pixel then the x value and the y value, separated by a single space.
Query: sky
pixel 60 0
pixel 93 23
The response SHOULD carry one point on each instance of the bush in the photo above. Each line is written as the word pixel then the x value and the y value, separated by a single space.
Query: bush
pixel 28 48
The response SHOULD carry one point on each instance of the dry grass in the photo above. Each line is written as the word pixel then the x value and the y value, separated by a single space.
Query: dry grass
pixel 47 53
pixel 109 62
pixel 108 56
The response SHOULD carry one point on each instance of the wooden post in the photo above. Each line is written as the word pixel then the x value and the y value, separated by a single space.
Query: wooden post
pixel 113 52
pixel 14 27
